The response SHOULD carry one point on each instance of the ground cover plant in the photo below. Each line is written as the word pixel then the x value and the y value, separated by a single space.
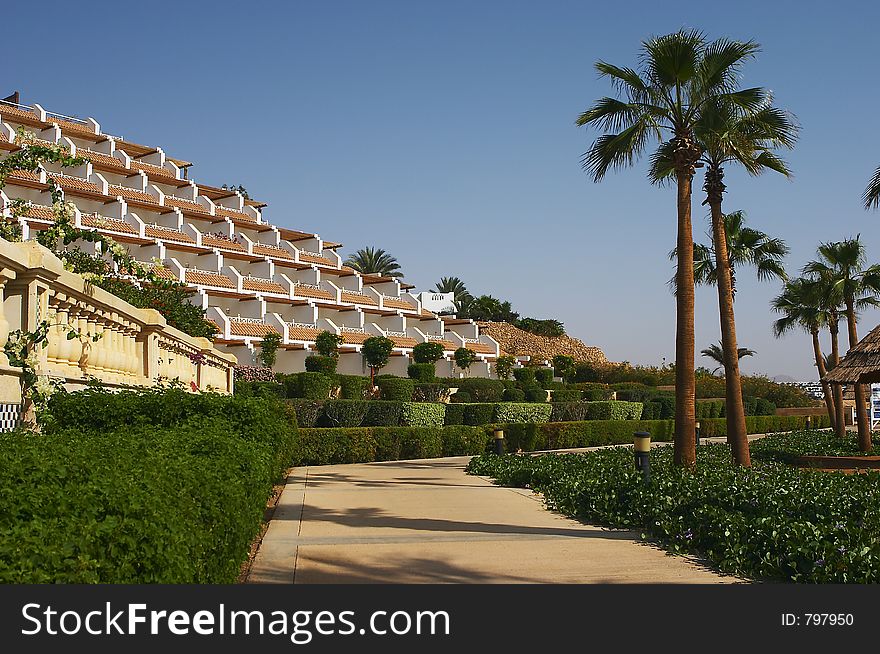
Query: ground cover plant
pixel 772 521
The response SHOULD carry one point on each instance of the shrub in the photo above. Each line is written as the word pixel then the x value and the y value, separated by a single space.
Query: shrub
pixel 566 396
pixel 327 344
pixel 269 348
pixel 307 412
pixel 454 414
pixel 382 414
pixel 464 440
pixel 764 407
pixel 353 387
pixel 260 389
pixel 376 351
pixel 708 409
pixel 568 411
pixel 514 395
pixel 310 385
pixel 479 414
pixel 464 357
pixel 504 366
pixel 461 397
pixel 586 372
pixel 396 388
pixel 344 413
pixel 535 394
pixel 422 372
pixel 429 352
pixel 322 364
pixel 253 373
pixel 483 390
pixel 430 393
pixel 549 327
pixel 508 412
pixel 614 410
pixel 565 367
pixel 544 377
pixel 525 376
pixel 422 414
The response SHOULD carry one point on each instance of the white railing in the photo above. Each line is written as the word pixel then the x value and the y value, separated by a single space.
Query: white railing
pixel 315 287
pixel 72 119
pixel 303 325
pixel 25 107
pixel 391 333
pixel 353 330
pixel 240 318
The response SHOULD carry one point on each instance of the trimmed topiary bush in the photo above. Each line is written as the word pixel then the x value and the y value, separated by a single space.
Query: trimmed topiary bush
pixel 525 376
pixel 461 397
pixel 568 411
pixel 614 410
pixel 430 393
pixel 535 394
pixel 318 363
pixel 353 387
pixel 482 390
pixel 344 413
pixel 397 389
pixel 544 377
pixel 381 413
pixel 422 414
pixel 421 372
pixel 454 414
pixel 566 396
pixel 309 385
pixel 308 412
pixel 479 414
pixel 465 440
pixel 514 395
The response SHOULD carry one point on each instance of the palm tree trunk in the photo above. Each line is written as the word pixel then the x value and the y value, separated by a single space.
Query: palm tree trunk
pixel 862 419
pixel 840 425
pixel 826 387
pixel 685 383
pixel 734 410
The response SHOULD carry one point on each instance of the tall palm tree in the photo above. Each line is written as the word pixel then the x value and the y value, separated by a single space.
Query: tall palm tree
pixel 716 353
pixel 678 73
pixel 746 246
pixel 842 264
pixel 374 261
pixel 801 307
pixel 871 197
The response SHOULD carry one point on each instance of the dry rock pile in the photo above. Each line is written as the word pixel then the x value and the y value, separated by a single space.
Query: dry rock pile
pixel 518 342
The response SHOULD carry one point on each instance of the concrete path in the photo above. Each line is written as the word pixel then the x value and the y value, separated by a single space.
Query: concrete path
pixel 427 521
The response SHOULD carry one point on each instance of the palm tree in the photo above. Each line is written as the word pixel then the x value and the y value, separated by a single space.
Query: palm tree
pixel 746 246
pixel 679 73
pixel 801 306
pixel 374 261
pixel 872 192
pixel 842 264
pixel 716 353
pixel 455 286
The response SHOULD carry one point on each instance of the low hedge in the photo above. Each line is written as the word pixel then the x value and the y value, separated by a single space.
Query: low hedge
pixel 572 395
pixel 322 364
pixel 422 414
pixel 158 486
pixel 479 414
pixel 568 411
pixel 309 385
pixel 514 395
pixel 308 412
pixel 260 389
pixel 382 414
pixel 398 389
pixel 429 392
pixel 614 410
pixel 510 412
pixel 709 409
pixel 481 389
pixel 525 376
pixel 454 414
pixel 535 394
pixel 344 413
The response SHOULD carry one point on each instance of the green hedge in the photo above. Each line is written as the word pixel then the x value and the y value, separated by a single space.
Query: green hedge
pixel 525 376
pixel 479 414
pixel 309 385
pixel 454 414
pixel 566 395
pixel 160 486
pixel 508 412
pixel 614 410
pixel 568 411
pixel 382 414
pixel 535 394
pixel 398 389
pixel 260 389
pixel 421 372
pixel 709 409
pixel 514 395
pixel 544 377
pixel 353 387
pixel 322 364
pixel 422 414
pixel 481 389
pixel 429 392
pixel 308 412
pixel 344 413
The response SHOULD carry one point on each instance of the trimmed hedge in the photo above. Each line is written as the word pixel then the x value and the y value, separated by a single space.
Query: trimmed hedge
pixel 454 414
pixel 614 410
pixel 709 409
pixel 461 397
pixel 568 411
pixel 309 385
pixel 566 396
pixel 536 394
pixel 398 389
pixel 421 372
pixel 481 389
pixel 422 414
pixel 514 395
pixel 479 414
pixel 158 486
pixel 353 387
pixel 318 363
pixel 382 414
pixel 525 376
pixel 544 377
pixel 509 412
pixel 429 392
pixel 308 412
pixel 344 413
pixel 260 389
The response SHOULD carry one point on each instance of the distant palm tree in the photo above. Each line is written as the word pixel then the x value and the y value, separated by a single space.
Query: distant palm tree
pixel 800 304
pixel 842 265
pixel 715 353
pixel 871 197
pixel 374 261
pixel 678 74
pixel 462 298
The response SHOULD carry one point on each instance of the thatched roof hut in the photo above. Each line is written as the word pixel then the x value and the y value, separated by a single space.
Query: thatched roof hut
pixel 861 365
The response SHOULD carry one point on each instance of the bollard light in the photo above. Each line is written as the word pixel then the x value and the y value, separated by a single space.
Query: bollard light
pixel 697 431
pixel 499 441
pixel 642 448
pixel 809 421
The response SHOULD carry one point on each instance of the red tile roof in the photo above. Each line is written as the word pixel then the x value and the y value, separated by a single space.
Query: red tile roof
pixel 397 303
pixel 131 194
pixel 103 222
pixel 262 285
pixel 480 348
pixel 152 170
pixel 232 213
pixel 203 278
pixel 308 291
pixel 217 242
pixel 272 251
pixel 100 159
pixel 186 205
pixel 303 333
pixel 358 298
pixel 167 233
pixel 311 258
pixel 403 341
pixel 354 338
pixel 248 328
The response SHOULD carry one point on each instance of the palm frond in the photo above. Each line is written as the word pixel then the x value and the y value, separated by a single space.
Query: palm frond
pixel 871 197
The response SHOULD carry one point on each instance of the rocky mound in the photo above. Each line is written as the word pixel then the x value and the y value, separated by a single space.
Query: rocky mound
pixel 517 342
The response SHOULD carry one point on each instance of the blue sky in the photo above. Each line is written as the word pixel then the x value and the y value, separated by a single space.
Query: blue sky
pixel 444 133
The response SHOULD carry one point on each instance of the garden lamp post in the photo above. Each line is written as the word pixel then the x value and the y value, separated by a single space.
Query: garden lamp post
pixel 499 441
pixel 641 448
pixel 697 431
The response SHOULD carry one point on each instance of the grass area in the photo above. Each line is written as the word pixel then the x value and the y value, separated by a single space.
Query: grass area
pixel 772 521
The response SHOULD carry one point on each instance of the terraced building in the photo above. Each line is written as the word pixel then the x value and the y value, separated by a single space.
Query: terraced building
pixel 251 276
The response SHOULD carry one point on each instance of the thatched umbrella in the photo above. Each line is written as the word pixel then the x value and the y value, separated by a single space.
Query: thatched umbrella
pixel 861 365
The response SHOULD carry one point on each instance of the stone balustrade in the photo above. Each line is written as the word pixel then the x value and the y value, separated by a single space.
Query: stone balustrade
pixel 136 346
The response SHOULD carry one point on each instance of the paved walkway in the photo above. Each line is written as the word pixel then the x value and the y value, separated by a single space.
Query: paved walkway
pixel 427 521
